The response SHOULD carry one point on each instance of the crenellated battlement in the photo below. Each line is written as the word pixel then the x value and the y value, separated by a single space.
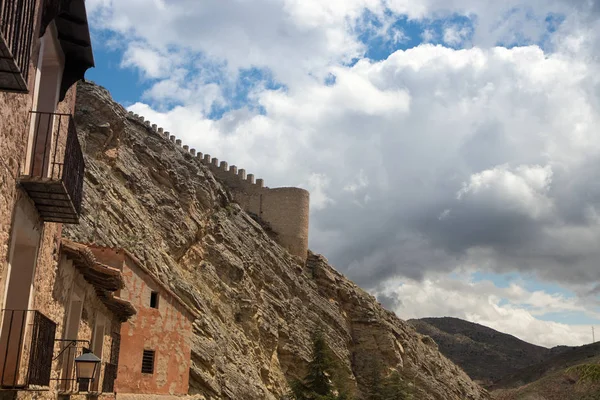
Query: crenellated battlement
pixel 285 210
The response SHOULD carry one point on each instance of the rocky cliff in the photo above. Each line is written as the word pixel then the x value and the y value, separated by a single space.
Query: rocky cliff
pixel 258 304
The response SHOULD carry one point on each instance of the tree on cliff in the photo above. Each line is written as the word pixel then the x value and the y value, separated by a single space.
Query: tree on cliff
pixel 373 381
pixel 396 388
pixel 318 383
pixel 390 387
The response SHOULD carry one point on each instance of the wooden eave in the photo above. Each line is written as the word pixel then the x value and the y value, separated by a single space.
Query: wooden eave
pixel 121 308
pixel 189 310
pixel 97 274
pixel 103 278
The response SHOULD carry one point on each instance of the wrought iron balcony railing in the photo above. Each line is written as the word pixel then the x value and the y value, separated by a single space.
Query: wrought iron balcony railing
pixel 26 347
pixel 17 26
pixel 54 170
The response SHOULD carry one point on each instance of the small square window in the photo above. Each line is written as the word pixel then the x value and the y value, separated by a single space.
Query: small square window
pixel 148 362
pixel 154 299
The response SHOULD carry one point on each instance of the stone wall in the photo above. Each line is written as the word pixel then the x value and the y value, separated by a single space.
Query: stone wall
pixel 14 123
pixel 52 299
pixel 14 117
pixel 284 210
pixel 66 280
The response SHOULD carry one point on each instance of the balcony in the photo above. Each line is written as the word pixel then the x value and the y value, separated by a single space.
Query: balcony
pixel 26 347
pixel 16 35
pixel 54 172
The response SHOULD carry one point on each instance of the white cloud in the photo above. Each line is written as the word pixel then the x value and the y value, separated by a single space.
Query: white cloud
pixel 149 61
pixel 512 310
pixel 494 126
pixel 317 185
pixel 455 35
pixel 524 190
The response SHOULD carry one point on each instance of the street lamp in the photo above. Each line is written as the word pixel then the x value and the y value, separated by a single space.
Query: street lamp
pixel 85 366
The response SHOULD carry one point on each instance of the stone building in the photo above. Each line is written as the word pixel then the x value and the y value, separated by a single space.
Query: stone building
pixel 156 342
pixel 57 300
pixel 285 210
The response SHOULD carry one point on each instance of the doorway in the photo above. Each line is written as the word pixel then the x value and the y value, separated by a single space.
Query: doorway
pixel 18 289
pixel 70 345
pixel 48 79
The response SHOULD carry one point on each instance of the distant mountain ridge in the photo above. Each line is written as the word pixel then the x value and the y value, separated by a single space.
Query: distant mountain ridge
pixel 589 353
pixel 512 369
pixel 485 354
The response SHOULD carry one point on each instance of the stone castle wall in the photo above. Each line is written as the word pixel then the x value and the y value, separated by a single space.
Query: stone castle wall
pixel 285 210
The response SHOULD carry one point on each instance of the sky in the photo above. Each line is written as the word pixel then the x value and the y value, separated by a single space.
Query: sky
pixel 450 147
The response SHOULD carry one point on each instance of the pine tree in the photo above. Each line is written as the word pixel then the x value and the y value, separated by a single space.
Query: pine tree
pixel 318 384
pixel 373 380
pixel 319 369
pixel 395 388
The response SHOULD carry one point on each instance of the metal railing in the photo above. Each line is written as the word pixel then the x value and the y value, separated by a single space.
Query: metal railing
pixel 68 351
pixel 56 153
pixel 17 26
pixel 26 348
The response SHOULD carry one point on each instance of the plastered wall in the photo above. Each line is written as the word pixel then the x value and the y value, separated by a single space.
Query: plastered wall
pixel 284 210
pixel 167 330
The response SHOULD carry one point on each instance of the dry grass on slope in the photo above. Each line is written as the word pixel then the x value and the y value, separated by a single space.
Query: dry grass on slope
pixel 580 382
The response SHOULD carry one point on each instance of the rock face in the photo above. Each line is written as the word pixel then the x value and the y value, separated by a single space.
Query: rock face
pixel 258 304
pixel 484 353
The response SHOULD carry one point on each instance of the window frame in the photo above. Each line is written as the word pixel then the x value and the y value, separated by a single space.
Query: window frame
pixel 154 295
pixel 145 355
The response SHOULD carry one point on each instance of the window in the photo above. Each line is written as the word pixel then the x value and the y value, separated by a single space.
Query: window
pixel 154 299
pixel 148 362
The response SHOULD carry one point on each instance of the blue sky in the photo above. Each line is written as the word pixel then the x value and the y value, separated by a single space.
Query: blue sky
pixel 447 148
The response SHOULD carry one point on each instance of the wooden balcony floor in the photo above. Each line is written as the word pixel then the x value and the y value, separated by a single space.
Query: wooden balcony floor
pixel 51 199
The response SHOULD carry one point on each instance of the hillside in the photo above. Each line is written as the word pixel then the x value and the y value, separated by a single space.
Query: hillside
pixel 587 354
pixel 485 354
pixel 560 380
pixel 258 304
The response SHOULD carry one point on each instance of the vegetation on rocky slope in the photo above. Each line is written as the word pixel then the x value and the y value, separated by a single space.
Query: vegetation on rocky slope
pixel 580 382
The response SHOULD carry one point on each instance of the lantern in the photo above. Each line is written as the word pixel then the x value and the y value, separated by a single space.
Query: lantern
pixel 85 366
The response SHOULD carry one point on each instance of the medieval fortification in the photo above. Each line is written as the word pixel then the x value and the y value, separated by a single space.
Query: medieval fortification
pixel 285 210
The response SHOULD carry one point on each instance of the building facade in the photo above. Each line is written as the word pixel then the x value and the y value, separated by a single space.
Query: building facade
pixel 58 302
pixel 155 353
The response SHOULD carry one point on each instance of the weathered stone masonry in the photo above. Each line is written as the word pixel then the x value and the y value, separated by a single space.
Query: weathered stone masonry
pixel 285 210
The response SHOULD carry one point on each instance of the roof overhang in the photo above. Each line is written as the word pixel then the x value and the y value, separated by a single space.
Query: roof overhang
pixel 71 22
pixel 103 278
